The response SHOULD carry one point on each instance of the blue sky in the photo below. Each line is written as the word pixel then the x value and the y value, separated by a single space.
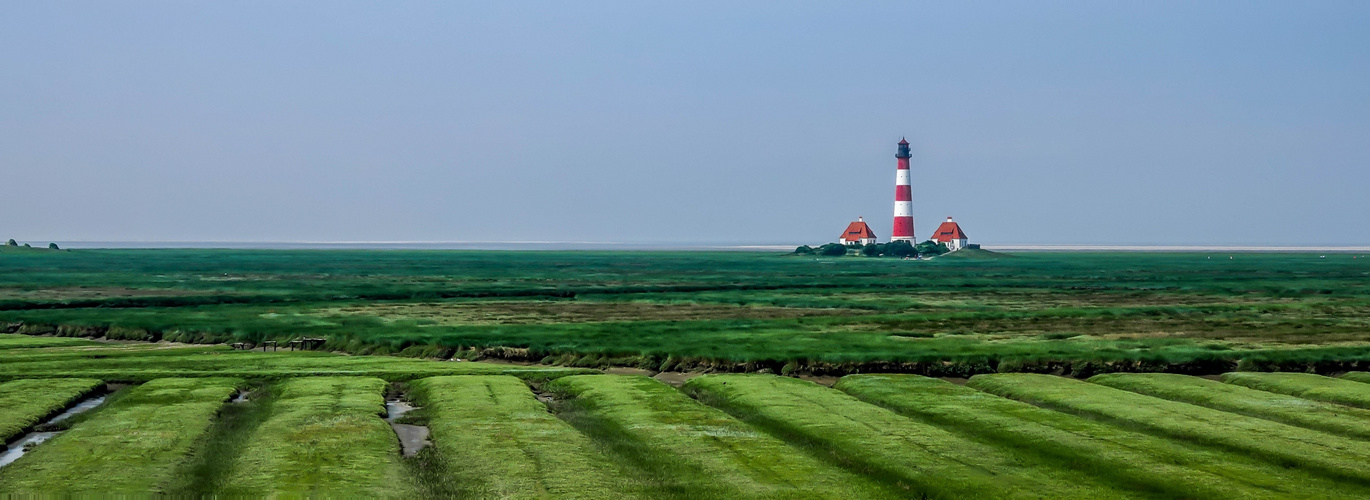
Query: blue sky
pixel 689 122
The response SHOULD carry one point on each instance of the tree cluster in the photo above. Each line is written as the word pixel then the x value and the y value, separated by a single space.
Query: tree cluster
pixel 891 249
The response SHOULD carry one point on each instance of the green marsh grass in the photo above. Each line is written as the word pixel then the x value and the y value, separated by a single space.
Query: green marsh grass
pixel 1346 390
pixel 1132 460
pixel 130 446
pixel 920 459
pixel 693 451
pixel 1280 444
pixel 496 440
pixel 324 437
pixel 1306 413
pixel 1125 311
pixel 25 403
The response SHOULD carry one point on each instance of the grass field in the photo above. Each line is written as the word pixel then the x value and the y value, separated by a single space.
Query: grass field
pixel 1130 460
pixel 494 439
pixel 693 451
pixel 917 459
pixel 1347 390
pixel 503 351
pixel 324 437
pixel 1082 312
pixel 1309 414
pixel 25 403
pixel 133 445
pixel 1282 444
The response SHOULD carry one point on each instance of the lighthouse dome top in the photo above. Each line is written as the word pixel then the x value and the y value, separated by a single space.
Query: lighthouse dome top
pixel 903 141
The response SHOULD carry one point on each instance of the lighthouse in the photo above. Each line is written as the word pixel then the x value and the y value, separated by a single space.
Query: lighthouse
pixel 903 197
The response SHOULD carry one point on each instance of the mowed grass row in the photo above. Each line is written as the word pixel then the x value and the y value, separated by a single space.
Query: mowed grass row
pixel 493 439
pixel 1135 461
pixel 325 436
pixel 919 459
pixel 1347 390
pixel 1306 413
pixel 132 445
pixel 16 341
pixel 25 403
pixel 688 450
pixel 1281 444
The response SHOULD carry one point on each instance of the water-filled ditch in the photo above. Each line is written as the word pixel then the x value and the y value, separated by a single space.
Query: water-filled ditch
pixel 23 445
pixel 412 437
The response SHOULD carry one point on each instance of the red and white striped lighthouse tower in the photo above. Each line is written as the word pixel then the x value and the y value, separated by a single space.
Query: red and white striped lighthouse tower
pixel 903 197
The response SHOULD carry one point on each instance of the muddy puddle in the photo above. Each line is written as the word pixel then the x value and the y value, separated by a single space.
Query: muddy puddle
pixel 23 445
pixel 675 379
pixel 412 437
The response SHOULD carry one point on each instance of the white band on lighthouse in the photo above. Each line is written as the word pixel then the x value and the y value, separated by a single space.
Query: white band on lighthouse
pixel 901 177
pixel 903 209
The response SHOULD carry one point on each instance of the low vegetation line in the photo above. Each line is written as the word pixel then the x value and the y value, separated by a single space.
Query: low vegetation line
pixel 693 451
pixel 1132 460
pixel 26 403
pixel 133 446
pixel 1306 413
pixel 920 459
pixel 1280 444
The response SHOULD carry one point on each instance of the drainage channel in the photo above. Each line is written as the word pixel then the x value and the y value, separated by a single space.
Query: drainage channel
pixel 35 438
pixel 412 437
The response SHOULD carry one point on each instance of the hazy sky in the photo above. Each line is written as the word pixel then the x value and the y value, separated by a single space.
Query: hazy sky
pixel 672 122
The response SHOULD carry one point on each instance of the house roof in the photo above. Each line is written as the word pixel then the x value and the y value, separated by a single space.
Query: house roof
pixel 948 231
pixel 857 230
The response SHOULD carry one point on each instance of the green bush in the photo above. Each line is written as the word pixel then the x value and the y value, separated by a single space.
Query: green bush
pixel 833 250
pixel 11 243
pixel 873 250
pixel 899 249
pixel 804 250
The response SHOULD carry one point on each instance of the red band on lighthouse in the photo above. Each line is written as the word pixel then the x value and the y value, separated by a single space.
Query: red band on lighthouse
pixel 903 197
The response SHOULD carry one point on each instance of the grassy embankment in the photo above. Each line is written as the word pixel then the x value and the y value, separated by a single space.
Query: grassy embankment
pixel 1306 413
pixel 324 437
pixel 25 403
pixel 920 459
pixel 1281 444
pixel 1131 460
pixel 1352 389
pixel 1081 313
pixel 688 450
pixel 492 438
pixel 132 445
pixel 141 362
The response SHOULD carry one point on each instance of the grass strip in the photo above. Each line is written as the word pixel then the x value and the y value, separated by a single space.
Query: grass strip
pixel 1133 460
pixel 1281 444
pixel 131 446
pixel 498 441
pixel 16 341
pixel 208 471
pixel 25 403
pixel 690 450
pixel 324 437
pixel 1348 390
pixel 919 459
pixel 1306 413
pixel 142 364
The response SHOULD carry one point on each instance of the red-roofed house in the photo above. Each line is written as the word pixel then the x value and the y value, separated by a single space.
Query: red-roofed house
pixel 857 233
pixel 950 233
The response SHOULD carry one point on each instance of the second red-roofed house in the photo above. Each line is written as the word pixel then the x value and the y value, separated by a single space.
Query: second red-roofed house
pixel 951 234
pixel 857 233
